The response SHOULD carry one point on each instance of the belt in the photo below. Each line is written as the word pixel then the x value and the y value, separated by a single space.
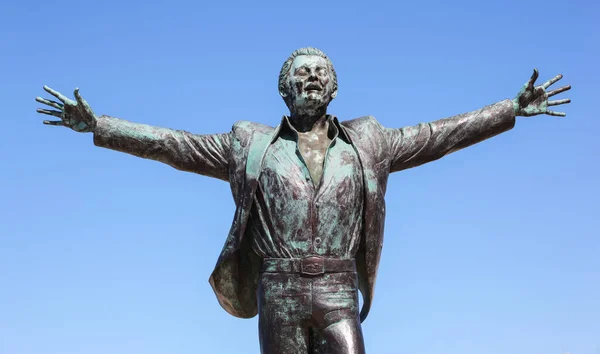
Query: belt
pixel 311 266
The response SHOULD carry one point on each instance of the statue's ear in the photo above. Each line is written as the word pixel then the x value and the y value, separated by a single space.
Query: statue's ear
pixel 334 93
pixel 282 92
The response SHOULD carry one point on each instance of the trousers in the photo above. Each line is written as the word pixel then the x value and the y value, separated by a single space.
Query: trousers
pixel 300 314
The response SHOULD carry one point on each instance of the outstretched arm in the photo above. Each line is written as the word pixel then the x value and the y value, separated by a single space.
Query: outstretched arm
pixel 204 154
pixel 207 155
pixel 425 142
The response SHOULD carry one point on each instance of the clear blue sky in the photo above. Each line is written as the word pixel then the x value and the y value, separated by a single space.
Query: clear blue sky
pixel 494 249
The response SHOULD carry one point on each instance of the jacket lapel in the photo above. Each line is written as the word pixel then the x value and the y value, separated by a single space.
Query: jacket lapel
pixel 256 154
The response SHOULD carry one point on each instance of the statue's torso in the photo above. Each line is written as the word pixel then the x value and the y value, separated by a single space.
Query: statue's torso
pixel 309 200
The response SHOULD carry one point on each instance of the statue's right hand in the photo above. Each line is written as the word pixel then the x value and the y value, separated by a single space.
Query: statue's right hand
pixel 76 115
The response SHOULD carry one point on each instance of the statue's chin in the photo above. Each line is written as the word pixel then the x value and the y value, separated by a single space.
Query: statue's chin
pixel 310 104
pixel 309 110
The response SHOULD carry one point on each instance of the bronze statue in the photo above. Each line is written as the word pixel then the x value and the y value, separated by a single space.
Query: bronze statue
pixel 308 227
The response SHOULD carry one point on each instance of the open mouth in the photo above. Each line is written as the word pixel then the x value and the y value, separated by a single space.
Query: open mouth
pixel 313 88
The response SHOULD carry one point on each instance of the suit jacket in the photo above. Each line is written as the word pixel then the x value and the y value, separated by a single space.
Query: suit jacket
pixel 237 156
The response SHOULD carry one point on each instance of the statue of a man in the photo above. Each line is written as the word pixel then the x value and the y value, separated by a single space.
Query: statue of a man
pixel 309 194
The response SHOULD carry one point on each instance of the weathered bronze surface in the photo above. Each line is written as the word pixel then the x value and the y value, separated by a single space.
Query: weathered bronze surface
pixel 308 227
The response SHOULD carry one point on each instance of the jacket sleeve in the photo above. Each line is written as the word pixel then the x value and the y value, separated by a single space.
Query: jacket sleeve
pixel 425 142
pixel 207 155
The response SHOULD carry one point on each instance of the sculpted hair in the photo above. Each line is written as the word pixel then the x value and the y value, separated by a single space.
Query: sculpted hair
pixel 285 69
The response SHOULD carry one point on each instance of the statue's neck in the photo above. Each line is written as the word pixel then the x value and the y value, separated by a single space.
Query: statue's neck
pixel 311 121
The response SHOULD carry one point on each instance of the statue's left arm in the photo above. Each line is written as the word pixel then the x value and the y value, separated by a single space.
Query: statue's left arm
pixel 415 145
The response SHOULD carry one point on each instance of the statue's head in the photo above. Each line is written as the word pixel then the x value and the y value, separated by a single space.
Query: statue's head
pixel 307 81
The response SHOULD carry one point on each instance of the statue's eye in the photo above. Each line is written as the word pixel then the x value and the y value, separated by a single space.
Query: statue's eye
pixel 301 71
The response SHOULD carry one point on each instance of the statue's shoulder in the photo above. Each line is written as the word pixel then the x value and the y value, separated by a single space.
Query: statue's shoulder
pixel 362 124
pixel 244 129
pixel 246 125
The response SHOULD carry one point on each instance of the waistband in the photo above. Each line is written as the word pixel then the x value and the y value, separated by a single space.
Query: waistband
pixel 311 266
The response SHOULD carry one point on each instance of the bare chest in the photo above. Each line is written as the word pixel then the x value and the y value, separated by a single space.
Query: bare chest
pixel 313 148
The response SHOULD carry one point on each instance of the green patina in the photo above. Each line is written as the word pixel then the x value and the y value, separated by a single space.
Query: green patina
pixel 307 182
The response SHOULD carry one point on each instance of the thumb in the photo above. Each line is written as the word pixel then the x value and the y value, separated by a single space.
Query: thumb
pixel 534 77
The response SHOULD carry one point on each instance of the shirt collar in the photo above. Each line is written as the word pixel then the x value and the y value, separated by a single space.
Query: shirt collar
pixel 334 126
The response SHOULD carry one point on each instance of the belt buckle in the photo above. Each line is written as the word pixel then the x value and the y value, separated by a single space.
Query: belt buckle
pixel 312 266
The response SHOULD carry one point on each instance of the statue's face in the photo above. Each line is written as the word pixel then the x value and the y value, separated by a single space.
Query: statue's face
pixel 310 83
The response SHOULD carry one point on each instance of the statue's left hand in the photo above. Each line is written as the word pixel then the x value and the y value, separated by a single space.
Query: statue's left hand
pixel 531 100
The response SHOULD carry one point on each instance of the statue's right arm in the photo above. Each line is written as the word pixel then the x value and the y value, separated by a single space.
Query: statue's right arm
pixel 207 154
